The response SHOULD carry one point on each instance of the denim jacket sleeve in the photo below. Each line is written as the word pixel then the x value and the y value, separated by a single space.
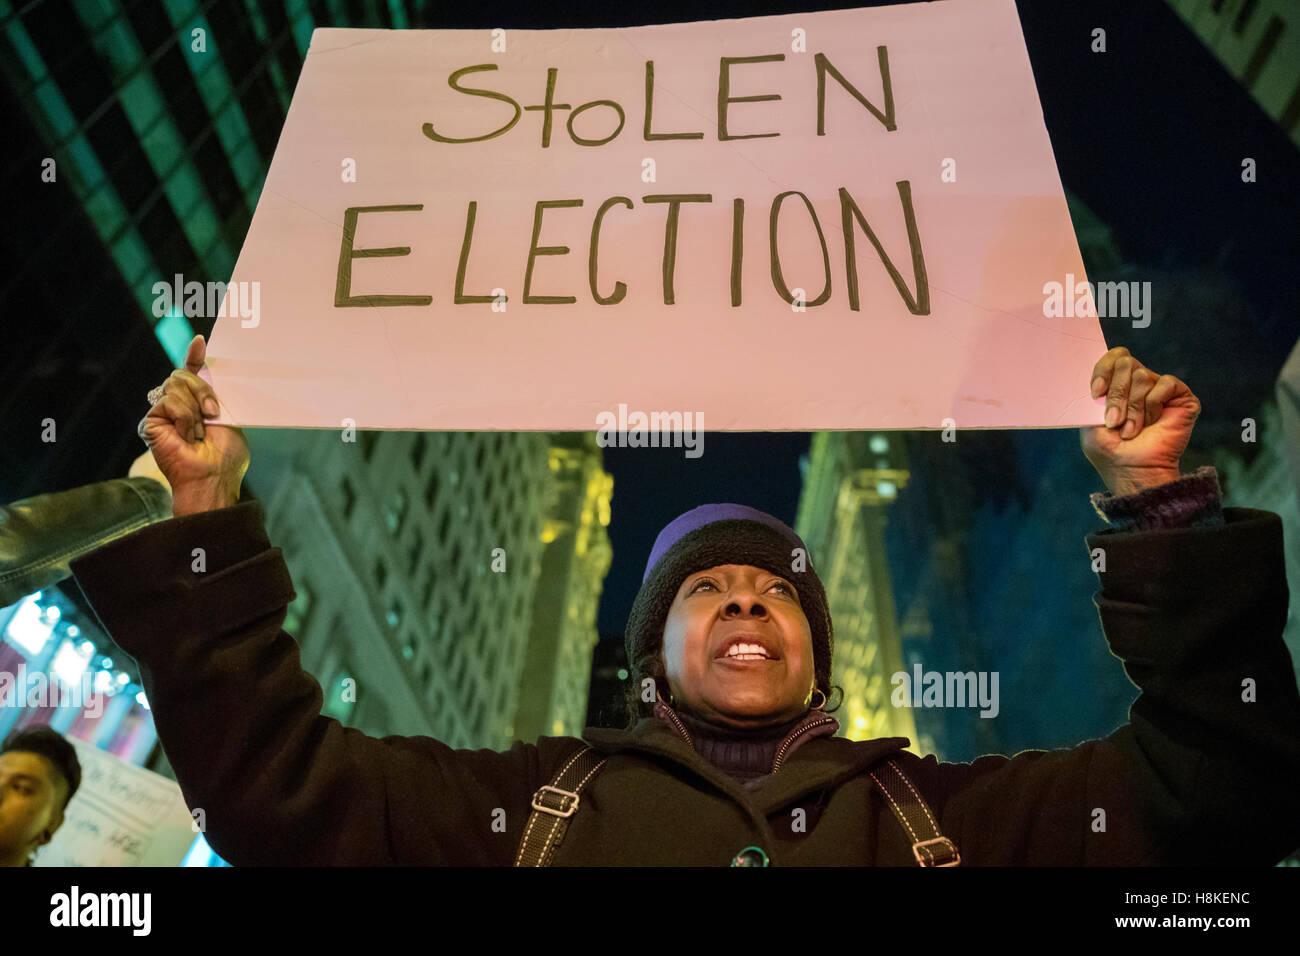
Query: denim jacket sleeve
pixel 39 536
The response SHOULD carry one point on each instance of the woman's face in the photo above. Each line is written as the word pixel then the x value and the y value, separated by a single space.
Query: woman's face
pixel 739 604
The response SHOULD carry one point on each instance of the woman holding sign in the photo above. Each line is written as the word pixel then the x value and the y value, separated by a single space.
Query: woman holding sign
pixel 732 758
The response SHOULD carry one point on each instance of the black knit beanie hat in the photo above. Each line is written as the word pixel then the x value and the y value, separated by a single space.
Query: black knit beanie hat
pixel 712 535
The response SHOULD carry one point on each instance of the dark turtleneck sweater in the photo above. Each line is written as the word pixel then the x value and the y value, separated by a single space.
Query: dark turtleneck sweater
pixel 746 755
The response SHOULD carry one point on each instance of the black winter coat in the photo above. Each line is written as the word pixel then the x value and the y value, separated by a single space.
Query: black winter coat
pixel 1197 776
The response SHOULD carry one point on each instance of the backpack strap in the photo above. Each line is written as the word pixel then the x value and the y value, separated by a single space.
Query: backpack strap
pixel 929 846
pixel 553 805
pixel 559 800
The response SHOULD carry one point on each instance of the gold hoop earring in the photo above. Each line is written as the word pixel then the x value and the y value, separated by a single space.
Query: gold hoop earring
pixel 817 690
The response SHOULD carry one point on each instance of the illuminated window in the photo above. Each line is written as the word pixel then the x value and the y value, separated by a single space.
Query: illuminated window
pixel 55 109
pixel 340 699
pixel 131 256
pixel 296 616
pixel 175 334
pixel 395 513
pixel 28 627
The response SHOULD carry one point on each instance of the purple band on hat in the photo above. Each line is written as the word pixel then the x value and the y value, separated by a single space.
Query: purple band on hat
pixel 684 524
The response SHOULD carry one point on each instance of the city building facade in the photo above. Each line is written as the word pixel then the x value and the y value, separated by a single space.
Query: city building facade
pixel 849 482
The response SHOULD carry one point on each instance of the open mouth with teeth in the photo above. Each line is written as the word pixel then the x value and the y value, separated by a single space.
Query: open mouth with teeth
pixel 746 652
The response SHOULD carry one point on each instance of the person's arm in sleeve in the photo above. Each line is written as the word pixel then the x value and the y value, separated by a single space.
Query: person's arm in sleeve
pixel 1200 774
pixel 40 535
pixel 1193 601
pixel 199 602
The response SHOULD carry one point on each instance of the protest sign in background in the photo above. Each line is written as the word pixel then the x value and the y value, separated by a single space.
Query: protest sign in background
pixel 121 815
pixel 836 220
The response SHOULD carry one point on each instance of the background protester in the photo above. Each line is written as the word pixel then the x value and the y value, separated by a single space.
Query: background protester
pixel 39 775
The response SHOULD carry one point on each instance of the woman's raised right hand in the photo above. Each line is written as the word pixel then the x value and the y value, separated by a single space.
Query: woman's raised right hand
pixel 204 464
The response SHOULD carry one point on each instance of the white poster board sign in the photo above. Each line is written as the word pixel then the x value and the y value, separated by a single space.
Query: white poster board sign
pixel 121 815
pixel 839 220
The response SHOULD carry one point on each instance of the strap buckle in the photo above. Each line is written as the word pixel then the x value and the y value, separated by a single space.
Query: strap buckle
pixel 565 810
pixel 947 845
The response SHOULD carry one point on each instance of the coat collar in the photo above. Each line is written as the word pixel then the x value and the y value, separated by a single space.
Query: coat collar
pixel 817 764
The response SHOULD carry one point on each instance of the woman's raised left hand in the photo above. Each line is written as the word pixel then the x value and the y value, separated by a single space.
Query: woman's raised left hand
pixel 1149 419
